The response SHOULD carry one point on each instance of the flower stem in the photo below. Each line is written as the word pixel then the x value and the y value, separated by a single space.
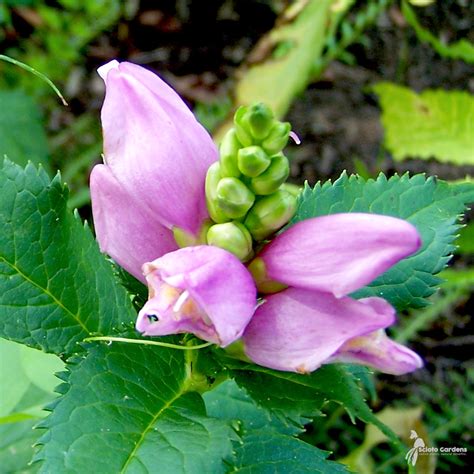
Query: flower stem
pixel 146 342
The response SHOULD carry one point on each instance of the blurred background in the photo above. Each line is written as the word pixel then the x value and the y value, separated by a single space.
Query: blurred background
pixel 369 86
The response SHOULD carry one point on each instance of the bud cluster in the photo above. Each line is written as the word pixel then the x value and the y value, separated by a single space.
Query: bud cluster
pixel 245 191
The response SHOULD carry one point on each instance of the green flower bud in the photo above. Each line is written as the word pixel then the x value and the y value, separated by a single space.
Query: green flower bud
pixel 270 213
pixel 228 149
pixel 260 120
pixel 252 161
pixel 271 179
pixel 241 126
pixel 233 237
pixel 278 138
pixel 212 180
pixel 234 198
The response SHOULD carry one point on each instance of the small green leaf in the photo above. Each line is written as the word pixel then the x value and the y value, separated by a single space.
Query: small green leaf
pixel 56 288
pixel 22 135
pixel 126 408
pixel 431 205
pixel 434 124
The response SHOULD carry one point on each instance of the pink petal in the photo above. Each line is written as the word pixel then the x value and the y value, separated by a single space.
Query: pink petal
pixel 125 229
pixel 380 352
pixel 154 146
pixel 298 330
pixel 221 301
pixel 339 253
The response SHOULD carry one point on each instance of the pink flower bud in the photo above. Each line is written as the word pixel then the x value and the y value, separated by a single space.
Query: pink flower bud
pixel 338 253
pixel 156 157
pixel 203 290
pixel 299 330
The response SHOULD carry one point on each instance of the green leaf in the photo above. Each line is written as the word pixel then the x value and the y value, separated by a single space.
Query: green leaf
pixel 267 444
pixel 12 376
pixel 434 124
pixel 431 205
pixel 22 135
pixel 293 395
pixel 56 288
pixel 231 403
pixel 462 49
pixel 264 454
pixel 466 240
pixel 126 408
pixel 16 447
pixel 29 376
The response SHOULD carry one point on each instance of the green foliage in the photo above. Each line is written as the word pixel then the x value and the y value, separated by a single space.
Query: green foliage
pixel 127 408
pixel 232 403
pixel 431 205
pixel 22 136
pixel 457 286
pixel 16 447
pixel 56 44
pixel 434 124
pixel 344 32
pixel 462 49
pixel 466 240
pixel 449 411
pixel 57 288
pixel 299 397
pixel 260 453
pixel 266 443
pixel 28 374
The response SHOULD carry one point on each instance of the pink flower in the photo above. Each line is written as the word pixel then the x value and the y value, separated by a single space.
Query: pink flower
pixel 313 322
pixel 156 157
pixel 152 185
pixel 203 290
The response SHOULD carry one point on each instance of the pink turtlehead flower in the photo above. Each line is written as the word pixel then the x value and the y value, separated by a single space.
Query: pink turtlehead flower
pixel 156 156
pixel 203 290
pixel 314 321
